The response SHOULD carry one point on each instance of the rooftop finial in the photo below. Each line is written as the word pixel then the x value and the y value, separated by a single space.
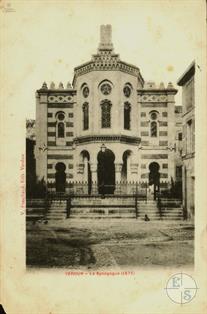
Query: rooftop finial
pixel 69 85
pixel 60 86
pixel 52 85
pixel 105 37
pixel 44 85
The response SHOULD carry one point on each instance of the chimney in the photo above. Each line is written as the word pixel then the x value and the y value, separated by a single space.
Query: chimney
pixel 105 37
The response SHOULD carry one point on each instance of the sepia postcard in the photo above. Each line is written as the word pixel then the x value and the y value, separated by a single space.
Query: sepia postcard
pixel 103 157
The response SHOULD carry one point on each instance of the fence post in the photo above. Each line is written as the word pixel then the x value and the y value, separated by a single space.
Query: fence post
pixel 68 206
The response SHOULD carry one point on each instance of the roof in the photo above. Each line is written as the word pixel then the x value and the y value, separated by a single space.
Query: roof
pixel 186 76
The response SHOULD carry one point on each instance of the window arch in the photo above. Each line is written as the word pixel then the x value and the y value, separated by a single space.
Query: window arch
pixel 105 114
pixel 61 130
pixel 85 90
pixel 85 116
pixel 127 116
pixel 153 123
pixel 60 125
pixel 127 90
pixel 105 87
pixel 153 129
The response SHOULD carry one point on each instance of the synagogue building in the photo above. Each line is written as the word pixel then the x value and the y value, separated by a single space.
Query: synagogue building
pixel 109 125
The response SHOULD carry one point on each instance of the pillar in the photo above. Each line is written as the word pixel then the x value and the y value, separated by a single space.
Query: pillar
pixel 134 172
pixel 85 175
pixel 94 177
pixel 118 168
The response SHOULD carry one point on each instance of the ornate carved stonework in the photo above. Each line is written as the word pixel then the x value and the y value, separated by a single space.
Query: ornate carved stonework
pixel 134 168
pixel 153 98
pixel 118 167
pixel 80 168
pixel 59 99
pixel 108 138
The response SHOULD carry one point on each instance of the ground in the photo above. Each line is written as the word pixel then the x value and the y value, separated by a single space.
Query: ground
pixel 109 244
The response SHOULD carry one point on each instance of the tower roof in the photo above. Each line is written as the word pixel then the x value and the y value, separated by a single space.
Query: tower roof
pixel 106 59
pixel 105 37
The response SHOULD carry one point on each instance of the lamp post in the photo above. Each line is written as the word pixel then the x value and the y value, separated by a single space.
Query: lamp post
pixel 103 148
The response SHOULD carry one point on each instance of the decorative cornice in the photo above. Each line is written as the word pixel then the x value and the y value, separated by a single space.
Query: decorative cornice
pixel 55 98
pixel 152 98
pixel 156 91
pixel 106 60
pixel 108 138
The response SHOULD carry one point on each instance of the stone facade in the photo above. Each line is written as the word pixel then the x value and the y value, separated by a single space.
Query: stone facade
pixel 187 81
pixel 109 109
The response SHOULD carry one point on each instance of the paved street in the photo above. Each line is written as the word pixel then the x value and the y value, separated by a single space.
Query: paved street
pixel 104 244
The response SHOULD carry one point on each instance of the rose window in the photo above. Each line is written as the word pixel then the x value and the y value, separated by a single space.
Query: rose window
pixel 106 89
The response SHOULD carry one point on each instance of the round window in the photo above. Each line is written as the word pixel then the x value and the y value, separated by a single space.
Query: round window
pixel 153 116
pixel 61 116
pixel 85 91
pixel 106 89
pixel 127 91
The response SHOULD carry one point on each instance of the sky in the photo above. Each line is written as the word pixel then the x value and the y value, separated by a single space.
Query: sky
pixel 45 40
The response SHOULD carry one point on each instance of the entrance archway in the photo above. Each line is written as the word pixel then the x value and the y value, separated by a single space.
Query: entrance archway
pixel 154 177
pixel 60 177
pixel 106 172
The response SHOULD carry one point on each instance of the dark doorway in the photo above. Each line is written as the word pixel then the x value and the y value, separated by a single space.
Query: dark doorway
pixel 60 177
pixel 154 177
pixel 106 172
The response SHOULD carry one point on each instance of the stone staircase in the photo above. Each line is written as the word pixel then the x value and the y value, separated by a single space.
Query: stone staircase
pixel 108 207
pixel 35 209
pixel 148 208
pixel 171 209
pixel 57 210
pixel 114 207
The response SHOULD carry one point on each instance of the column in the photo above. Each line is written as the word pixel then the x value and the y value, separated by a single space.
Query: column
pixel 133 176
pixel 118 168
pixel 94 178
pixel 134 172
pixel 85 176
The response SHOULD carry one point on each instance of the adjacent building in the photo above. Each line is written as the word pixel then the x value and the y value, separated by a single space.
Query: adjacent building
pixel 187 82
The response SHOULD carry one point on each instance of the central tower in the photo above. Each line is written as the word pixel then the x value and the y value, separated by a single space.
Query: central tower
pixel 107 113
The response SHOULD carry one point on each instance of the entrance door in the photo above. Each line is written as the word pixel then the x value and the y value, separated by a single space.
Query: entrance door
pixel 60 177
pixel 106 172
pixel 154 177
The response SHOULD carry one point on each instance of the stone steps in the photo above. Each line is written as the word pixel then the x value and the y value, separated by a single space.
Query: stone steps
pixel 109 208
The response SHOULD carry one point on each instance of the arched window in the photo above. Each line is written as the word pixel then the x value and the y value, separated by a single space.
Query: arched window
pixel 153 129
pixel 127 90
pixel 105 114
pixel 85 116
pixel 127 118
pixel 61 130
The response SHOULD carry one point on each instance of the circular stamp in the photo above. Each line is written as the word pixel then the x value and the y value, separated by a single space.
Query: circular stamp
pixel 181 288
